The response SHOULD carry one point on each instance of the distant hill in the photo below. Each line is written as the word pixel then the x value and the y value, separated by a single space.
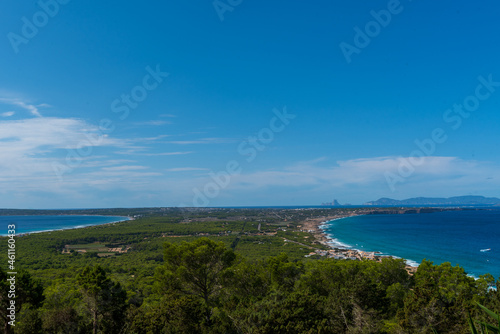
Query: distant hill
pixel 334 203
pixel 458 200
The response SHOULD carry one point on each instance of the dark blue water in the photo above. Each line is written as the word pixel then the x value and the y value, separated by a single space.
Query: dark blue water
pixel 451 236
pixel 30 224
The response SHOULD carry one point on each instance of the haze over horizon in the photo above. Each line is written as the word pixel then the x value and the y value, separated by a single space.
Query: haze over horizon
pixel 247 103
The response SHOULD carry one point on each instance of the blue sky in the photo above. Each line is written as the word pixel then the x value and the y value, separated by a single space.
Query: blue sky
pixel 234 103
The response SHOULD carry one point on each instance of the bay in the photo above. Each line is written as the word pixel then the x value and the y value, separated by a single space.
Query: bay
pixel 32 224
pixel 469 238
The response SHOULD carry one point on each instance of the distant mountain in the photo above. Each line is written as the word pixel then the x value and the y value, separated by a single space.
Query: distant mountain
pixel 334 203
pixel 458 200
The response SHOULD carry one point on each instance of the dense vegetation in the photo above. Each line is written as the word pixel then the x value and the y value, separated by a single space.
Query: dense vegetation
pixel 228 271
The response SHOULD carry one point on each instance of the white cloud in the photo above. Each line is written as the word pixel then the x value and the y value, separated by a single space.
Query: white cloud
pixel 355 181
pixel 33 109
pixel 366 177
pixel 26 145
pixel 204 141
pixel 123 168
pixel 34 152
pixel 34 133
pixel 149 139
pixel 138 152
pixel 29 147
pixel 152 123
pixel 8 114
pixel 186 169
pixel 168 153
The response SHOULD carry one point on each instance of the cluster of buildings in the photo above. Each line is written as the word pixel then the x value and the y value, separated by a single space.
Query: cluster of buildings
pixel 67 250
pixel 347 254
pixel 353 254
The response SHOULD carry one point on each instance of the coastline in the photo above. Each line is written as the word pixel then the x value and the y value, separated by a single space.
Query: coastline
pixel 120 220
pixel 369 238
pixel 338 250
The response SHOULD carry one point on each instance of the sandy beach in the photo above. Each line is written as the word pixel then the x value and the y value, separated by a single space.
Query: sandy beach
pixel 313 226
pixel 122 219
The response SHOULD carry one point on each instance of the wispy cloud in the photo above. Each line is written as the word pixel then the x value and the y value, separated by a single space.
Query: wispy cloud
pixel 33 109
pixel 124 168
pixel 186 169
pixel 26 145
pixel 34 133
pixel 8 114
pixel 141 153
pixel 149 139
pixel 168 153
pixel 364 178
pixel 364 172
pixel 30 148
pixel 152 123
pixel 204 141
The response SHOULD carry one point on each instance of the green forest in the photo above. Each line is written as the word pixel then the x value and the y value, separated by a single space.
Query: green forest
pixel 229 271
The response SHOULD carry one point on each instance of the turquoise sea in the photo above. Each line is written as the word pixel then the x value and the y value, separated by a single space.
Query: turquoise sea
pixel 470 238
pixel 31 224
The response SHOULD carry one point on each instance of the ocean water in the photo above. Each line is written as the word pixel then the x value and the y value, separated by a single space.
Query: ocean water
pixel 450 236
pixel 31 224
